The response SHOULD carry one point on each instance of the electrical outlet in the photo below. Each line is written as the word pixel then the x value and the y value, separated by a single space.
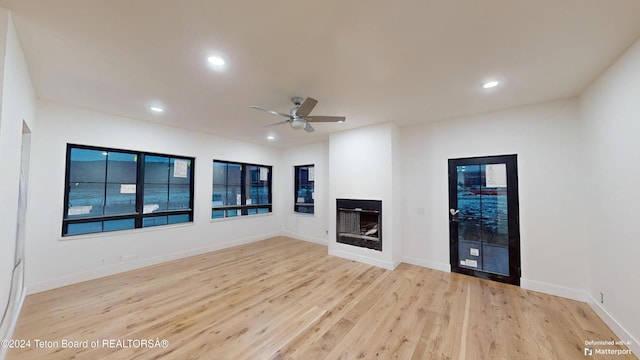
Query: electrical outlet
pixel 601 298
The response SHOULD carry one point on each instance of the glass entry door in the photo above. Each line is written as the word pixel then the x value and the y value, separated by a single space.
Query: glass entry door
pixel 483 217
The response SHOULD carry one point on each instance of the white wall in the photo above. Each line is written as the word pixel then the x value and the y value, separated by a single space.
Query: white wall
pixel 54 261
pixel 302 226
pixel 362 167
pixel 550 191
pixel 7 206
pixel 611 127
pixel 17 107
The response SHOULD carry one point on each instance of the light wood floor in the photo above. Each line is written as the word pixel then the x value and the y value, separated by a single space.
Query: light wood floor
pixel 287 299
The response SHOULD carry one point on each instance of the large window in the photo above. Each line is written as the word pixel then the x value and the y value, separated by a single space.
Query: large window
pixel 240 189
pixel 110 189
pixel 304 177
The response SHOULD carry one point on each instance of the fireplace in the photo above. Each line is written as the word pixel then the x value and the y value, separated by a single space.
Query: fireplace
pixel 359 223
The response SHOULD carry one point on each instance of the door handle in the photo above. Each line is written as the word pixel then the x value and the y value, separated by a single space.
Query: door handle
pixel 453 213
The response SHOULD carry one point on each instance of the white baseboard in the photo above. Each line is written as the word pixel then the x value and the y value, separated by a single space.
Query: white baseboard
pixel 312 239
pixel 136 264
pixel 553 289
pixel 584 296
pixel 614 325
pixel 364 259
pixel 428 264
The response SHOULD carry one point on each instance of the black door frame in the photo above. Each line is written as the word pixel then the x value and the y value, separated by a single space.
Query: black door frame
pixel 512 210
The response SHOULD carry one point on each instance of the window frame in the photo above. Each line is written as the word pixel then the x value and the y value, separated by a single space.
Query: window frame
pixel 243 207
pixel 296 189
pixel 138 215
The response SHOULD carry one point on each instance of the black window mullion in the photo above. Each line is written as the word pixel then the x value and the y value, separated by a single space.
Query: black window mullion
pixel 269 187
pixel 139 191
pixel 67 189
pixel 191 188
pixel 106 176
pixel 226 186
pixel 296 186
pixel 226 183
pixel 243 190
pixel 169 179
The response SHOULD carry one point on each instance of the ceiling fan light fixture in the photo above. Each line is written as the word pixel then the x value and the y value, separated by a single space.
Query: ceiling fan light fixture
pixel 297 123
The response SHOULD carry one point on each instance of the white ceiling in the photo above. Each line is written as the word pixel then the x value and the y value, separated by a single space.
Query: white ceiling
pixel 372 61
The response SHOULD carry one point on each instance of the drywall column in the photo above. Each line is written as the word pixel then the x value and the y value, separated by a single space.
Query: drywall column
pixel 363 166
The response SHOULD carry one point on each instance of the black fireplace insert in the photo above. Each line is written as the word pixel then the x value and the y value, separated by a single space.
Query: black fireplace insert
pixel 359 223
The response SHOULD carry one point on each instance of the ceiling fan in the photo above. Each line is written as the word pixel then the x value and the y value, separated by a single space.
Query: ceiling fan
pixel 298 117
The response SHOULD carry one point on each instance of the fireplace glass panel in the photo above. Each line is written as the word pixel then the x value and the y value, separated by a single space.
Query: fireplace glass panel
pixel 359 223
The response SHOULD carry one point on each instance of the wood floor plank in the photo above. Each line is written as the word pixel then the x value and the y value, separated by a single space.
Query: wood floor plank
pixel 287 299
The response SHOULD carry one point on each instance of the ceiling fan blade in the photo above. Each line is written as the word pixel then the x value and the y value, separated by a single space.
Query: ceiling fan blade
pixel 278 123
pixel 308 128
pixel 326 118
pixel 270 111
pixel 306 107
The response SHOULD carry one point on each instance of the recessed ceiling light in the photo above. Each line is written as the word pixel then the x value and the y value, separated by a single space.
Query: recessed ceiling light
pixel 215 60
pixel 271 137
pixel 156 109
pixel 340 122
pixel 490 84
